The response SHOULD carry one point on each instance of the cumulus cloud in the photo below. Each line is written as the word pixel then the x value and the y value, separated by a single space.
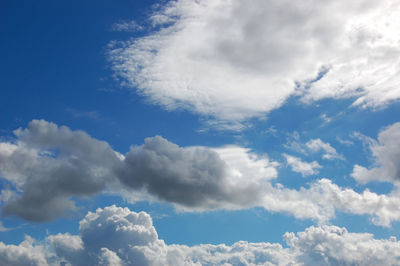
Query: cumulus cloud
pixel 118 236
pixel 386 152
pixel 317 145
pixel 331 245
pixel 50 165
pixel 322 199
pixel 231 61
pixel 197 177
pixel 301 167
pixel 26 253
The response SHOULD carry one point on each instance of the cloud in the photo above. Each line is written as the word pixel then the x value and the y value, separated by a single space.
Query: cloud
pixel 247 60
pixel 345 142
pixel 322 199
pixel 312 146
pixel 301 167
pixel 197 177
pixel 3 228
pixel 127 26
pixel 118 236
pixel 331 245
pixel 386 153
pixel 50 166
pixel 317 145
pixel 26 253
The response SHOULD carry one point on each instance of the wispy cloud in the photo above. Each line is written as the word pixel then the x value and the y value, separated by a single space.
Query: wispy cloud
pixel 345 142
pixel 131 26
pixel 304 168
pixel 329 153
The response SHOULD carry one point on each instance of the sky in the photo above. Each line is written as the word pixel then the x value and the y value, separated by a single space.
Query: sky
pixel 200 132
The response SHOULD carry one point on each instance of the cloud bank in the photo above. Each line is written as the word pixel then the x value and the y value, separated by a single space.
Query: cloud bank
pixel 118 236
pixel 49 166
pixel 231 61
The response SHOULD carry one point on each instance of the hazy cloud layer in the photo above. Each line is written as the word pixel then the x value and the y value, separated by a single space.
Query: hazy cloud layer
pixel 118 236
pixel 231 60
pixel 386 152
pixel 48 165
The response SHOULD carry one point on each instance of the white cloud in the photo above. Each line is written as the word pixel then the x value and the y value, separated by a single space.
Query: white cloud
pixel 125 237
pixel 331 245
pixel 26 253
pixel 301 167
pixel 109 258
pixel 317 145
pixel 231 61
pixel 386 152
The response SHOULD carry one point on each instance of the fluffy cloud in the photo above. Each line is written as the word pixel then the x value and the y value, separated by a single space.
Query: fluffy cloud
pixel 322 199
pixel 247 60
pixel 118 236
pixel 301 167
pixel 197 177
pixel 26 253
pixel 49 165
pixel 386 152
pixel 331 245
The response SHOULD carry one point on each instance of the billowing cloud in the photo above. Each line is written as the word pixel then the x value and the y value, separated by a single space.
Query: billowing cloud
pixel 386 152
pixel 26 253
pixel 301 167
pixel 231 60
pixel 331 245
pixel 197 177
pixel 50 165
pixel 118 236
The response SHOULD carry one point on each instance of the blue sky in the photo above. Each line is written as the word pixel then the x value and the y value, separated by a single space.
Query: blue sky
pixel 223 121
